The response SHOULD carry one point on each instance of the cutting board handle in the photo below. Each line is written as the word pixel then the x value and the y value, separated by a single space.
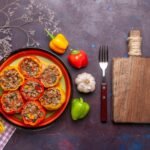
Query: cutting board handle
pixel 134 43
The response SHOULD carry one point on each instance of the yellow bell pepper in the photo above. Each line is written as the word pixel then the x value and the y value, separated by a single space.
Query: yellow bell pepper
pixel 59 43
pixel 5 83
pixel 2 127
pixel 53 106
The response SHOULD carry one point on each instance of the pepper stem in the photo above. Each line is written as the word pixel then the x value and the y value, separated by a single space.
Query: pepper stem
pixel 75 52
pixel 81 99
pixel 51 35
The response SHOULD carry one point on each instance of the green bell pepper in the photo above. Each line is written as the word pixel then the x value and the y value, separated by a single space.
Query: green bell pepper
pixel 79 108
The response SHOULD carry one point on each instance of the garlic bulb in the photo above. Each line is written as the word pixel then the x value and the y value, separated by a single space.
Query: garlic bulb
pixel 85 82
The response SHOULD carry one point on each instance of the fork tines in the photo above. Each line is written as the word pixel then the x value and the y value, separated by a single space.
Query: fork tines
pixel 103 54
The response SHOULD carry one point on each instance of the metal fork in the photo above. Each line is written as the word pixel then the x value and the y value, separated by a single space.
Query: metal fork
pixel 103 62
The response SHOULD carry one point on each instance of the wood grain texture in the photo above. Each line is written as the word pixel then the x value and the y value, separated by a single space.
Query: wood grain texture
pixel 131 90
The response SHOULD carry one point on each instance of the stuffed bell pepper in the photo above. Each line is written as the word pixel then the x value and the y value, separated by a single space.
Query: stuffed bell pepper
pixel 32 89
pixel 51 76
pixel 33 113
pixel 12 102
pixel 10 78
pixel 30 67
pixel 53 98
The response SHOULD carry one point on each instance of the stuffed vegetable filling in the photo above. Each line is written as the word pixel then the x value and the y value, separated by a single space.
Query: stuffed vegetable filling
pixel 10 79
pixel 30 67
pixel 32 89
pixel 50 76
pixel 51 96
pixel 12 102
pixel 33 113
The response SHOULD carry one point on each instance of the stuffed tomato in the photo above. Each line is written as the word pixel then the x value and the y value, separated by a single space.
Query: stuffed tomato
pixel 32 89
pixel 12 102
pixel 33 113
pixel 11 78
pixel 30 67
pixel 53 98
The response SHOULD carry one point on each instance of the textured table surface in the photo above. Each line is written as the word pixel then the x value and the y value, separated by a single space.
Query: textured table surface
pixel 87 24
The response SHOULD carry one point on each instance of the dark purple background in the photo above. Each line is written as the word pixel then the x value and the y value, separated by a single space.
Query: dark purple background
pixel 88 24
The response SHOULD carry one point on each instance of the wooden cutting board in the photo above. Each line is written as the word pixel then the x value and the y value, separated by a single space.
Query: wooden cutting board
pixel 131 89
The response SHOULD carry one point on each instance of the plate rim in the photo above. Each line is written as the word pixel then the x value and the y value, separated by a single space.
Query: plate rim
pixel 70 79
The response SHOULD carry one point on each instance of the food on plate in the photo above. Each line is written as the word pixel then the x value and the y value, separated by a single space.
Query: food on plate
pixel 79 108
pixel 1 91
pixel 10 78
pixel 51 76
pixel 12 102
pixel 53 98
pixel 30 67
pixel 33 113
pixel 59 43
pixel 85 82
pixel 32 89
pixel 78 58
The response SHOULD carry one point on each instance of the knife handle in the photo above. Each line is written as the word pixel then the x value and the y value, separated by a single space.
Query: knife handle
pixel 103 102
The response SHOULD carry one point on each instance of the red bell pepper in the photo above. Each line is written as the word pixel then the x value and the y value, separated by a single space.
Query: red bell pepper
pixel 33 113
pixel 78 58
pixel 12 102
pixel 32 89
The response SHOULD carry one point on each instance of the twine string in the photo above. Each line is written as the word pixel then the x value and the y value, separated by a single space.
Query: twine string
pixel 134 45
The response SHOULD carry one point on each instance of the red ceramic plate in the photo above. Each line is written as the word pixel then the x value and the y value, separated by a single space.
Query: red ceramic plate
pixel 65 83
